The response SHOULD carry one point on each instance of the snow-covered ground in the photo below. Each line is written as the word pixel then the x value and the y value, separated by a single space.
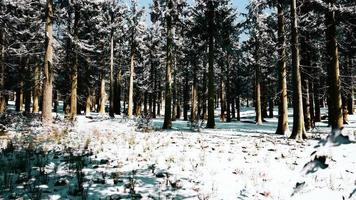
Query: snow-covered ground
pixel 111 159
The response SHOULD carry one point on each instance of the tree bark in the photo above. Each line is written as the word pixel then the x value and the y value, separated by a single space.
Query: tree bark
pixel 36 88
pixel 350 100
pixel 334 82
pixel 131 84
pixel 48 71
pixel 167 124
pixel 211 86
pixel 112 81
pixel 3 101
pixel 258 102
pixel 88 103
pixel 102 98
pixel 298 132
pixel 186 96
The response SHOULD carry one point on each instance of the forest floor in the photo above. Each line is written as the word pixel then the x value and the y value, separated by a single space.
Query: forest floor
pixel 103 158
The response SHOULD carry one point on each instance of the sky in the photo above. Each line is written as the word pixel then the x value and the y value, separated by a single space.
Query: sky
pixel 239 4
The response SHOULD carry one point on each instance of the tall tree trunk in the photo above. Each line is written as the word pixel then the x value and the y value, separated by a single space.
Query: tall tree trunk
pixel 298 132
pixel 350 100
pixel 48 71
pixel 186 96
pixel 117 93
pixel 19 94
pixel 2 73
pixel 211 81
pixel 306 105
pixel 334 82
pixel 74 89
pixel 311 100
pixel 74 70
pixel 282 128
pixel 27 86
pixel 131 83
pixel 112 81
pixel 222 100
pixel 88 103
pixel 36 88
pixel 167 124
pixel 258 106
pixel 238 108
pixel 270 107
pixel 317 117
pixel 194 106
pixel 102 98
pixel 174 99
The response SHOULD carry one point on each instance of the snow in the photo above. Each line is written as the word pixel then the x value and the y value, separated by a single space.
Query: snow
pixel 238 160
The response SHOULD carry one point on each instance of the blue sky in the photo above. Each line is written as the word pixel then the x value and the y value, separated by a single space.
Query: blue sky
pixel 239 4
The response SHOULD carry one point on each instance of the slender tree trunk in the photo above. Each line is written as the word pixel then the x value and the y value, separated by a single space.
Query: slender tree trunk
pixel 74 71
pixel 112 81
pixel 222 100
pixel 88 103
pixel 282 128
pixel 238 108
pixel 350 100
pixel 306 106
pixel 233 108
pixel 19 94
pixel 117 93
pixel 298 132
pixel 317 117
pixel 311 107
pixel 48 71
pixel 186 96
pixel 102 98
pixel 258 102
pixel 174 99
pixel 27 86
pixel 131 84
pixel 270 107
pixel 36 88
pixel 74 89
pixel 334 82
pixel 211 81
pixel 167 124
pixel 194 107
pixel 3 101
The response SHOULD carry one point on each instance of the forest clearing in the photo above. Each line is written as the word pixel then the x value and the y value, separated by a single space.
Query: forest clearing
pixel 114 159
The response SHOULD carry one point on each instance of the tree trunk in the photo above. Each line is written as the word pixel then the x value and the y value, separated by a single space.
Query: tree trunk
pixel 112 81
pixel 270 107
pixel 238 108
pixel 102 98
pixel 211 81
pixel 334 83
pixel 222 100
pixel 258 103
pixel 186 96
pixel 167 124
pixel 298 132
pixel 306 106
pixel 19 94
pixel 48 71
pixel 131 83
pixel 3 101
pixel 88 103
pixel 27 86
pixel 350 100
pixel 36 88
pixel 73 90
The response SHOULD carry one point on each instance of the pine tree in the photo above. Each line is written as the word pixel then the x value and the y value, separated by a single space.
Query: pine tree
pixel 48 66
